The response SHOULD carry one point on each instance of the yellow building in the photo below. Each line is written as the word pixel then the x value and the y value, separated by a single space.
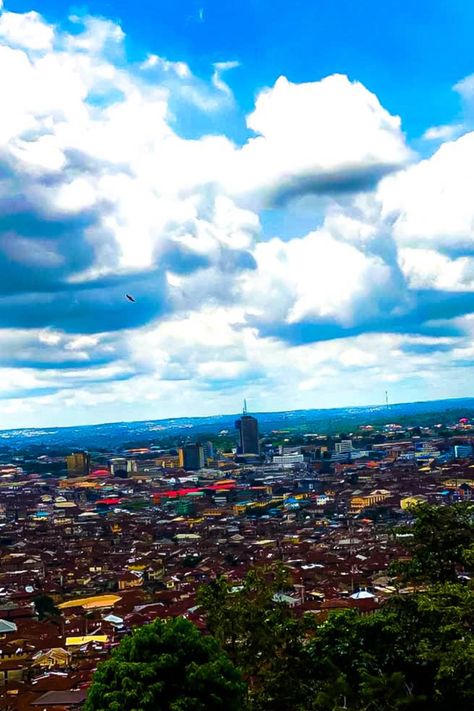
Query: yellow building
pixel 362 502
pixel 455 483
pixel 129 581
pixel 52 659
pixel 78 464
pixel 90 603
pixel 86 639
pixel 411 501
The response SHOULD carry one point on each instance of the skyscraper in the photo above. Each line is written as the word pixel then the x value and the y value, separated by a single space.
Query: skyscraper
pixel 191 457
pixel 247 426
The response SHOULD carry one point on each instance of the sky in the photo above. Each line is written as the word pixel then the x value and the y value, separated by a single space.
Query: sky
pixel 284 188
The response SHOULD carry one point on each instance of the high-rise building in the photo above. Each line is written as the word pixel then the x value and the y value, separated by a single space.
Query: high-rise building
pixel 208 450
pixel 78 464
pixel 191 457
pixel 247 427
pixel 118 467
pixel 344 446
pixel 132 466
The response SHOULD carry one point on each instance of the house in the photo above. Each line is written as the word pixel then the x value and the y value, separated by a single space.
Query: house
pixel 55 658
pixel 7 627
pixel 61 699
pixel 13 670
pixel 129 580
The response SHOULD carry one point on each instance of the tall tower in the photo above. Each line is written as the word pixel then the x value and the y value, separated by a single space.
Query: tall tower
pixel 247 427
pixel 191 457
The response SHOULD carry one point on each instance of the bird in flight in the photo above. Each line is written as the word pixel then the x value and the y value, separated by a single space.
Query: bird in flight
pixel 130 298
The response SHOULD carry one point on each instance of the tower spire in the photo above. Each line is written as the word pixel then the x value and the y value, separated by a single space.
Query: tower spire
pixel 245 407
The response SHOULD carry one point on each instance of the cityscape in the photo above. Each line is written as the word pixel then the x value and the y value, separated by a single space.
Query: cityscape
pixel 97 543
pixel 237 355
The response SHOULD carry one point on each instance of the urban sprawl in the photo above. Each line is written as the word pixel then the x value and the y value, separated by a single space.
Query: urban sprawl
pixel 94 544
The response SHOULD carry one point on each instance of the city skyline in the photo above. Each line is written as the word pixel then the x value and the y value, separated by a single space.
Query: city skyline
pixel 197 208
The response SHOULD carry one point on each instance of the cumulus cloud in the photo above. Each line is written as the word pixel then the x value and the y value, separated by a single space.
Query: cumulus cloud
pixel 101 194
pixel 429 203
pixel 329 136
pixel 25 30
pixel 429 269
pixel 316 278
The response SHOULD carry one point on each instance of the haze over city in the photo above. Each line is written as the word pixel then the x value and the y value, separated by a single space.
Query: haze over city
pixel 201 203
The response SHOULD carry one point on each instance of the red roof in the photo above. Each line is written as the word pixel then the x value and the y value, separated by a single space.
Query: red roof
pixel 173 493
pixel 100 472
pixel 110 501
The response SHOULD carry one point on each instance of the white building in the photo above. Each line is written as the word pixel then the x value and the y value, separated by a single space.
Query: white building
pixel 462 451
pixel 344 446
pixel 288 461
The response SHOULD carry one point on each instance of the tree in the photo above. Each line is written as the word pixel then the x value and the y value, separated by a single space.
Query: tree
pixel 416 652
pixel 388 691
pixel 260 634
pixel 167 666
pixel 442 542
pixel 45 607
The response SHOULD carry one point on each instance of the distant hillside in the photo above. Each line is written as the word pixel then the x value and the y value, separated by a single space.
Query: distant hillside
pixel 116 434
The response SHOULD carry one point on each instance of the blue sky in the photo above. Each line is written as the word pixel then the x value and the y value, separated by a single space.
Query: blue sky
pixel 409 54
pixel 285 188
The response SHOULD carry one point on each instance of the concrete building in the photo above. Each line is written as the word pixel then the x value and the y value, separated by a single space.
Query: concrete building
pixel 78 464
pixel 288 461
pixel 247 427
pixel 208 451
pixel 344 446
pixel 191 457
pixel 462 451
pixel 122 467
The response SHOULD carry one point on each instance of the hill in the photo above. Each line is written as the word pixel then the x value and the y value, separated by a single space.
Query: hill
pixel 324 421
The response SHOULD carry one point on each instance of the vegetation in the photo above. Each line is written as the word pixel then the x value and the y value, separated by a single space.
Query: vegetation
pixel 45 607
pixel 260 635
pixel 167 666
pixel 442 542
pixel 403 656
pixel 416 653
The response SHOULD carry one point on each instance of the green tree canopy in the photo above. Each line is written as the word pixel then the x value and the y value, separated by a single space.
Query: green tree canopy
pixel 45 607
pixel 414 653
pixel 261 635
pixel 167 666
pixel 442 543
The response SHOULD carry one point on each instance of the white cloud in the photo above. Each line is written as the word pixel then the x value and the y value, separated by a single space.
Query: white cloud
pixel 217 80
pixel 430 204
pixel 445 132
pixel 329 135
pixel 429 269
pixel 112 199
pixel 25 30
pixel 465 87
pixel 315 277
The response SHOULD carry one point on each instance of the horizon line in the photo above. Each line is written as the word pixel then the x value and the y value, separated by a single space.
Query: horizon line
pixel 382 406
